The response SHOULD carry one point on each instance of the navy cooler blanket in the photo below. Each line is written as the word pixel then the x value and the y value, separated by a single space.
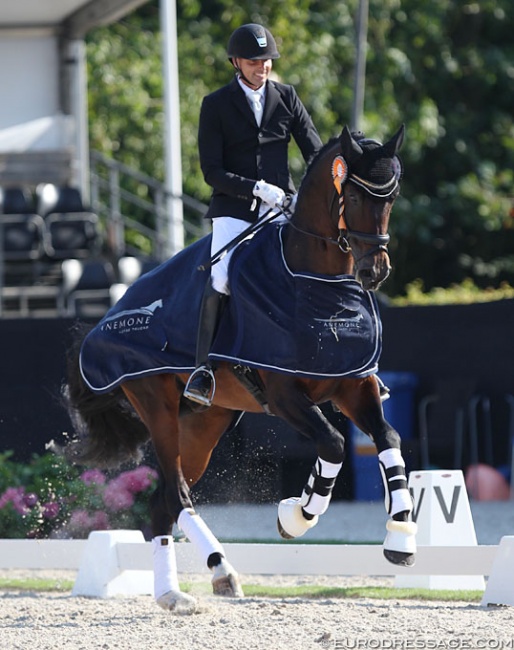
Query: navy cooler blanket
pixel 303 324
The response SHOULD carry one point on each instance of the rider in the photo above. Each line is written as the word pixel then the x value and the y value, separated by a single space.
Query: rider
pixel 244 157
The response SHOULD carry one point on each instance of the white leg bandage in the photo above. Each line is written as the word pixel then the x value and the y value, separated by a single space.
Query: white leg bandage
pixel 198 533
pixel 164 565
pixel 397 496
pixel 317 493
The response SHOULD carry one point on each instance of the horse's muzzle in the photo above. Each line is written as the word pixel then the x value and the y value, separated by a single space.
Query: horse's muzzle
pixel 372 276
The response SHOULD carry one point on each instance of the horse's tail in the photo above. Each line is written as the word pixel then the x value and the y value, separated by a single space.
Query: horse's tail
pixel 108 432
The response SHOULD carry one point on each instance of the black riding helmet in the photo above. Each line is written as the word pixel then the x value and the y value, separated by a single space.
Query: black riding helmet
pixel 252 42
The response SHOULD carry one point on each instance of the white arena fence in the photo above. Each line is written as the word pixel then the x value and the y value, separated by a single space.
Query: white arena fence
pixel 259 559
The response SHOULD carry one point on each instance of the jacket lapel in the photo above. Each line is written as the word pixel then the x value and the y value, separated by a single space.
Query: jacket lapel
pixel 272 99
pixel 240 101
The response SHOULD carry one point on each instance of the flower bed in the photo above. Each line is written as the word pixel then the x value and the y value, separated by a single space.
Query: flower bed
pixel 48 497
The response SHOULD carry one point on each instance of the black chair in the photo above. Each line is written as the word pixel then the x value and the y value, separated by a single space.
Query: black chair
pixel 22 231
pixel 72 231
pixel 87 288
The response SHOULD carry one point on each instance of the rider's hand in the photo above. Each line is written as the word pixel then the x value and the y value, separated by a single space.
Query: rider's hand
pixel 269 194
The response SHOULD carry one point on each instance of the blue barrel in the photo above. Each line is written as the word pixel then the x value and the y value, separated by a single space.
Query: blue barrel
pixel 399 412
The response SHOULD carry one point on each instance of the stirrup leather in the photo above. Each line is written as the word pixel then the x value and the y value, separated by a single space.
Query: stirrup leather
pixel 201 386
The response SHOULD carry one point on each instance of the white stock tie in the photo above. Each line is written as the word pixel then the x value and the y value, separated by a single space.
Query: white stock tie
pixel 257 106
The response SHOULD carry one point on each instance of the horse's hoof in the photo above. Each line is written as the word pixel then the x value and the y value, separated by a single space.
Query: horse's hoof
pixel 400 542
pixel 291 523
pixel 282 532
pixel 399 558
pixel 225 581
pixel 177 602
pixel 228 586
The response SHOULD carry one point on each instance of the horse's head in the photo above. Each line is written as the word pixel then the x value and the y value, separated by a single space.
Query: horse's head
pixel 366 177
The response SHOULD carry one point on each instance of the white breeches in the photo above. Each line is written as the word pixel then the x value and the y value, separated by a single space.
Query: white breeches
pixel 224 230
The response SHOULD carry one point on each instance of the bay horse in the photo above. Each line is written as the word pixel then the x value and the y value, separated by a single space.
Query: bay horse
pixel 338 233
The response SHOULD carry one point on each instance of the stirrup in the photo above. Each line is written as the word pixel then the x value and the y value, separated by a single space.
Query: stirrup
pixel 200 386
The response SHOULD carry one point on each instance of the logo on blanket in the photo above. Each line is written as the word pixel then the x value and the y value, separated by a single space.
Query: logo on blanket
pixel 131 320
pixel 339 324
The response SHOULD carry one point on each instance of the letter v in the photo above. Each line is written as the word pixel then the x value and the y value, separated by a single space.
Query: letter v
pixel 448 515
pixel 416 507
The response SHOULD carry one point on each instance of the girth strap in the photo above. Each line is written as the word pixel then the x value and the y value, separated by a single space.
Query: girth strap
pixel 251 380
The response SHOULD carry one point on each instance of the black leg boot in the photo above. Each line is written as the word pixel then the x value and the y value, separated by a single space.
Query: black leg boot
pixel 200 386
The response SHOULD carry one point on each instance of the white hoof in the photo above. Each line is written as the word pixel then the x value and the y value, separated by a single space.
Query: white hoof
pixel 225 581
pixel 178 602
pixel 291 522
pixel 400 542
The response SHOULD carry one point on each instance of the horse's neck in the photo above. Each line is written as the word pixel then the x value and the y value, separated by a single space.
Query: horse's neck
pixel 311 245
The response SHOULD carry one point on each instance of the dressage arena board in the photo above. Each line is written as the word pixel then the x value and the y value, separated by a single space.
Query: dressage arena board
pixel 260 559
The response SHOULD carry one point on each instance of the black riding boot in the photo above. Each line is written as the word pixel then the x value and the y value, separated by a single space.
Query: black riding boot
pixel 200 386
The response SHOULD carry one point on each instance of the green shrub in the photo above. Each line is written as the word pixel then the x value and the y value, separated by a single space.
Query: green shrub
pixel 47 497
pixel 457 294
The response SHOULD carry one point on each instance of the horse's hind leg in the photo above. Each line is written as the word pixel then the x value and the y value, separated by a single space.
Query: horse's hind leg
pixel 199 434
pixel 366 412
pixel 156 400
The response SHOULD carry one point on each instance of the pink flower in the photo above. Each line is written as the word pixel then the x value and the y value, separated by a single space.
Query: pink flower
pixel 15 496
pixel 80 520
pixel 93 477
pixel 50 510
pixel 30 499
pixel 138 480
pixel 117 497
pixel 100 521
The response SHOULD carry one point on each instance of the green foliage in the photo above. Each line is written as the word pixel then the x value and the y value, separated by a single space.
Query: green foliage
pixel 47 497
pixel 443 67
pixel 464 293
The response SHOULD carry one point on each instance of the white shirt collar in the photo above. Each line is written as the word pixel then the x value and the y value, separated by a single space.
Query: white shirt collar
pixel 249 91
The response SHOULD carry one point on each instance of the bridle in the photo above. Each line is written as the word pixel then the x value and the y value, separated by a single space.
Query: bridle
pixel 346 233
pixel 378 241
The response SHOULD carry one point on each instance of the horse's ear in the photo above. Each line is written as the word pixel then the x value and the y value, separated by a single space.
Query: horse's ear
pixel 393 146
pixel 351 149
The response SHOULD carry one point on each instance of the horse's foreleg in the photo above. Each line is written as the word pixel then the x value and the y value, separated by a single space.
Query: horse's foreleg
pixel 297 515
pixel 400 542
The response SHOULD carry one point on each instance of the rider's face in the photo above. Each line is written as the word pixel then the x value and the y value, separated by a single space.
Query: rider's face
pixel 254 71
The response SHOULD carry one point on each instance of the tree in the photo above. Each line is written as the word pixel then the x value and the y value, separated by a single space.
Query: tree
pixel 443 67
